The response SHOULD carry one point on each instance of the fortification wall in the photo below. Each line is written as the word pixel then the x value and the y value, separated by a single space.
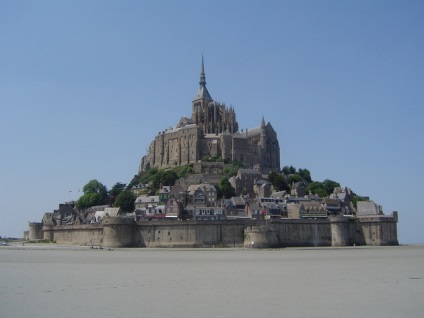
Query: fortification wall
pixel 288 233
pixel 125 232
pixel 87 234
pixel 304 233
pixel 379 229
pixel 190 234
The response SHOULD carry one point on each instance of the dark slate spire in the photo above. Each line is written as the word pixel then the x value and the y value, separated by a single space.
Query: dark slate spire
pixel 263 122
pixel 203 91
pixel 202 74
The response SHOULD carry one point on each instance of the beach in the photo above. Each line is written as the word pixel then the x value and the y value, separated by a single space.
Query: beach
pixel 46 280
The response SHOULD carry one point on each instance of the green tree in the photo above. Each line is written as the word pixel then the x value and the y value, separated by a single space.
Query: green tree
pixel 320 192
pixel 224 188
pixel 329 185
pixel 305 174
pixel 148 175
pixel 183 171
pixel 115 191
pixel 289 170
pixel 125 200
pixel 164 177
pixel 317 188
pixel 278 181
pixel 169 178
pixel 293 178
pixel 232 171
pixel 95 193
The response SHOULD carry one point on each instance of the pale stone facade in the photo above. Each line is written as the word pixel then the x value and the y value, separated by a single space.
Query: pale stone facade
pixel 212 131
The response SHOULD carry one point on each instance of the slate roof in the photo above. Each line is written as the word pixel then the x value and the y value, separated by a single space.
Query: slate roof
pixel 279 194
pixel 112 211
pixel 203 93
pixel 313 197
pixel 237 201
pixel 176 129
pixel 184 121
pixel 297 199
pixel 367 208
pixel 149 199
pixel 313 204
pixel 203 186
pixel 339 196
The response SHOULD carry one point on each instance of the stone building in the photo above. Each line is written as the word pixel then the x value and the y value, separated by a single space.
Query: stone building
pixel 245 180
pixel 212 131
pixel 202 194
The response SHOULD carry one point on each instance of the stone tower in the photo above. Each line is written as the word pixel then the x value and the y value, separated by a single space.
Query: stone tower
pixel 211 117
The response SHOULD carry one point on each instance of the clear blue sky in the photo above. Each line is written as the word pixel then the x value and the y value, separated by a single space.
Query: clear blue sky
pixel 86 85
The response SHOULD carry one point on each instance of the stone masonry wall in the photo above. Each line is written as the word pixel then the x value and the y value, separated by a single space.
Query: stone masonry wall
pixel 91 234
pixel 125 232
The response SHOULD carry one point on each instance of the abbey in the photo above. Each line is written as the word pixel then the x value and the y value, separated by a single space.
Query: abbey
pixel 189 212
pixel 212 131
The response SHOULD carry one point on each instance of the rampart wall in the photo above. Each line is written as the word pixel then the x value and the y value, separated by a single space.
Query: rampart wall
pixel 90 234
pixel 126 232
pixel 379 230
pixel 191 233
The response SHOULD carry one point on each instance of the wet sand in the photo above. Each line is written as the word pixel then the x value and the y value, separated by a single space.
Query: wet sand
pixel 53 281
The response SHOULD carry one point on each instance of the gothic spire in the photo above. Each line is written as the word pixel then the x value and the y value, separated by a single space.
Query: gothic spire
pixel 202 74
pixel 203 93
pixel 263 122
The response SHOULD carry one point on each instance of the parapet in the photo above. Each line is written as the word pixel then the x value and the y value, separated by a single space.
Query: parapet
pixel 118 220
pixel 393 218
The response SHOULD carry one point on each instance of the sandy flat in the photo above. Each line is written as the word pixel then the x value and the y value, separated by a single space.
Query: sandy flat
pixel 52 281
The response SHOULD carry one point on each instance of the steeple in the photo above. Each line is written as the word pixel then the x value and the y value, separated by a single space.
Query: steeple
pixel 263 122
pixel 202 93
pixel 202 74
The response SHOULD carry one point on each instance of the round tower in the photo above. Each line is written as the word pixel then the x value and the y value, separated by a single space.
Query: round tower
pixel 119 232
pixel 35 231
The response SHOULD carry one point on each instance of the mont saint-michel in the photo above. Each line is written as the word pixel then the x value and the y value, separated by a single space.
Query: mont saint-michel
pixel 213 131
pixel 206 183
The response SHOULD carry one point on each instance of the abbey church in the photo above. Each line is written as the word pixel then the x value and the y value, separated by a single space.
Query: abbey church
pixel 212 131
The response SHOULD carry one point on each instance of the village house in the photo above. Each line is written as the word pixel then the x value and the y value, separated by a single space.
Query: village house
pixel 143 202
pixel 209 213
pixel 164 193
pixel 253 211
pixel 235 207
pixel 173 208
pixel 202 194
pixel 298 189
pixel 306 210
pixel 101 214
pixel 245 180
pixel 333 206
pixel 262 188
